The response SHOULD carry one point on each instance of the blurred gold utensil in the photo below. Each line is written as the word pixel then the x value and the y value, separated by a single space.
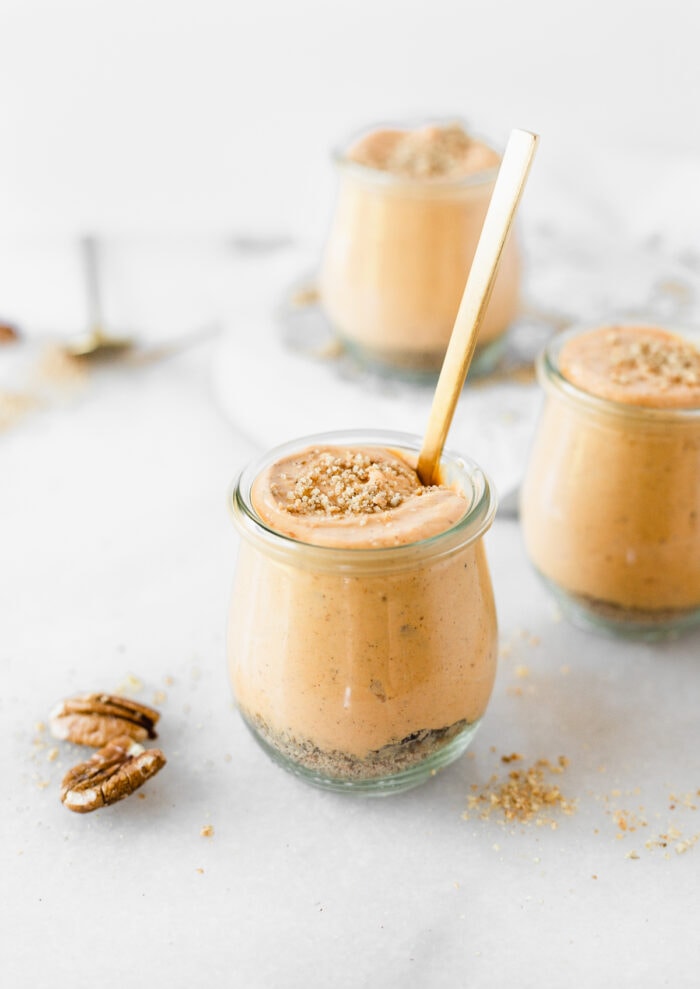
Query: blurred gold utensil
pixel 96 343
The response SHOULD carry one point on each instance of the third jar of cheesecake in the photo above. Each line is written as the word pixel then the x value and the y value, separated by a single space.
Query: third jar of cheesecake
pixel 411 204
pixel 611 499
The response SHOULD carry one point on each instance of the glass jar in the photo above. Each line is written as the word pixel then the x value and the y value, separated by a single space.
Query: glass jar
pixel 610 508
pixel 396 262
pixel 364 669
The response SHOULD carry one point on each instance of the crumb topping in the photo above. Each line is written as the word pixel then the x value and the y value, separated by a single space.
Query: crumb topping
pixel 669 362
pixel 351 483
pixel 643 366
pixel 435 151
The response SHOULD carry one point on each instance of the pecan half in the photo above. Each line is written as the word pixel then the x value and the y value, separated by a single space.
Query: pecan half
pixel 109 775
pixel 95 719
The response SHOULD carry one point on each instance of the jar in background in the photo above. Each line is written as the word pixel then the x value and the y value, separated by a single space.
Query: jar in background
pixel 397 258
pixel 610 505
pixel 364 669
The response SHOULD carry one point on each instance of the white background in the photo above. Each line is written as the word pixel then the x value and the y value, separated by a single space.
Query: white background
pixel 218 116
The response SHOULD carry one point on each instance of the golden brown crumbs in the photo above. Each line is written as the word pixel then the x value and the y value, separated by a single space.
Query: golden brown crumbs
pixel 207 831
pixel 52 755
pixel 352 483
pixel 525 795
pixel 160 697
pixel 668 363
pixel 200 871
pixel 522 671
pixel 513 757
pixel 57 366
pixel 13 406
pixel 305 296
pixel 434 151
pixel 632 855
pixel 129 685
pixel 430 152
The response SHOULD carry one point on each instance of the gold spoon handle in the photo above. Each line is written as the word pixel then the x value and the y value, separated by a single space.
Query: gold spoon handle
pixel 505 199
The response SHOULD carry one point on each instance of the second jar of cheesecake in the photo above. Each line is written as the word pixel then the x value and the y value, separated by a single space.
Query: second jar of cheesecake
pixel 611 499
pixel 410 207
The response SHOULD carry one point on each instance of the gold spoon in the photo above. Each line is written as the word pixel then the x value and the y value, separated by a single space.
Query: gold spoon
pixel 96 343
pixel 505 199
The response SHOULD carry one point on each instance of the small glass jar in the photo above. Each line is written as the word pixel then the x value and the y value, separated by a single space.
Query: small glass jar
pixel 610 508
pixel 396 262
pixel 364 669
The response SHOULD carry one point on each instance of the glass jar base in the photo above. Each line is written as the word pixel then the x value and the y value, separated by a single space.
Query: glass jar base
pixel 377 785
pixel 619 621
pixel 423 366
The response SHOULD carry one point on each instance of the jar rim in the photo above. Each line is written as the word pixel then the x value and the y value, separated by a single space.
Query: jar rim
pixel 551 377
pixel 381 177
pixel 470 527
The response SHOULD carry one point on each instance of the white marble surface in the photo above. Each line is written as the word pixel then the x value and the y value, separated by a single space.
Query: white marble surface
pixel 116 553
pixel 117 560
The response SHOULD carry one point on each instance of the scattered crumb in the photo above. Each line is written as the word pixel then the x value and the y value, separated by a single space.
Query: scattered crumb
pixel 57 366
pixel 307 295
pixel 52 755
pixel 13 406
pixel 522 671
pixel 200 871
pixel 160 697
pixel 207 831
pixel 129 685
pixel 632 855
pixel 683 846
pixel 525 795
